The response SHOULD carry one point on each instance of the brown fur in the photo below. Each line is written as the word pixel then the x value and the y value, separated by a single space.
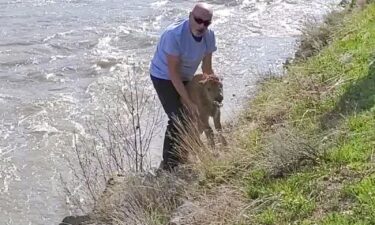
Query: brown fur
pixel 206 91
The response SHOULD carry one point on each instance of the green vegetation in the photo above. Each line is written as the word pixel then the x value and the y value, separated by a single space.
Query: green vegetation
pixel 323 112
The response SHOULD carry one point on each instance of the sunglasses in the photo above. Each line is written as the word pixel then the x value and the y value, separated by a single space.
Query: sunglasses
pixel 200 21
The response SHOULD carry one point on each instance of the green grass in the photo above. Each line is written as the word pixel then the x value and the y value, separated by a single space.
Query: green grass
pixel 329 97
pixel 362 211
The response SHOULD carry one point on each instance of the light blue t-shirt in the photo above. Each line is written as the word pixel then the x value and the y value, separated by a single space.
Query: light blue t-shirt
pixel 177 40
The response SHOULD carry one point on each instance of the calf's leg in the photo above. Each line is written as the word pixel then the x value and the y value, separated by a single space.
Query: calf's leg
pixel 218 127
pixel 207 130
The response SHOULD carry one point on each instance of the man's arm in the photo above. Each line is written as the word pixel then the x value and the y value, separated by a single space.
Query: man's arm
pixel 173 69
pixel 207 64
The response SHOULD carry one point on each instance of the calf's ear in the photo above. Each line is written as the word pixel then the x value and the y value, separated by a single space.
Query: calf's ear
pixel 220 78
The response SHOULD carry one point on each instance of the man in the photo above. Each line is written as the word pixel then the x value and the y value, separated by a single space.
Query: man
pixel 181 48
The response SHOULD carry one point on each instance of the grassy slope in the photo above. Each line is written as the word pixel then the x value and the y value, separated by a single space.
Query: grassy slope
pixel 304 152
pixel 317 125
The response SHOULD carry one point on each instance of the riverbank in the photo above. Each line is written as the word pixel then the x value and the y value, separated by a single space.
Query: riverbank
pixel 308 156
pixel 301 153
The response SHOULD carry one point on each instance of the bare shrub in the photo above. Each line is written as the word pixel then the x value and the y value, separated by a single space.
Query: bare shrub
pixel 314 38
pixel 287 150
pixel 115 141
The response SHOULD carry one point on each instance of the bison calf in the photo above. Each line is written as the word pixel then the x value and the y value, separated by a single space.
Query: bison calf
pixel 206 91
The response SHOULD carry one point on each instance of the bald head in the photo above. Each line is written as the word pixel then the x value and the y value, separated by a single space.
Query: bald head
pixel 200 18
pixel 203 10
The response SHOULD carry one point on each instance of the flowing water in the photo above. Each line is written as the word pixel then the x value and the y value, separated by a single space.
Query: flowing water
pixel 55 54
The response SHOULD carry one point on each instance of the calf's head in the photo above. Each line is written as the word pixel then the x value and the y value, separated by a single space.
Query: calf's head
pixel 213 89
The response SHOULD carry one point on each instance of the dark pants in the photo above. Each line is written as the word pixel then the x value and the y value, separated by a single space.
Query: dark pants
pixel 170 100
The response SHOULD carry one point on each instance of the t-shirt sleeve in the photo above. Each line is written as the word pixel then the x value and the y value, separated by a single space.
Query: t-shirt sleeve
pixel 170 44
pixel 211 42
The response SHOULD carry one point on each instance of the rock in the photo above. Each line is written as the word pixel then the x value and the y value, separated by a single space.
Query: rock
pixel 74 220
pixel 345 2
pixel 183 212
pixel 346 58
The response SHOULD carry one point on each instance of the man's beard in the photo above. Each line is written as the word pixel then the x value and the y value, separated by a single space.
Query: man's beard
pixel 199 32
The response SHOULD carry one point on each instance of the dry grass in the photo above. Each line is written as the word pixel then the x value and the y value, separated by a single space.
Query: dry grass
pixel 185 196
pixel 217 165
pixel 221 205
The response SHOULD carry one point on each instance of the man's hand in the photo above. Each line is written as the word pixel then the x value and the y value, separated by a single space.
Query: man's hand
pixel 205 75
pixel 193 109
